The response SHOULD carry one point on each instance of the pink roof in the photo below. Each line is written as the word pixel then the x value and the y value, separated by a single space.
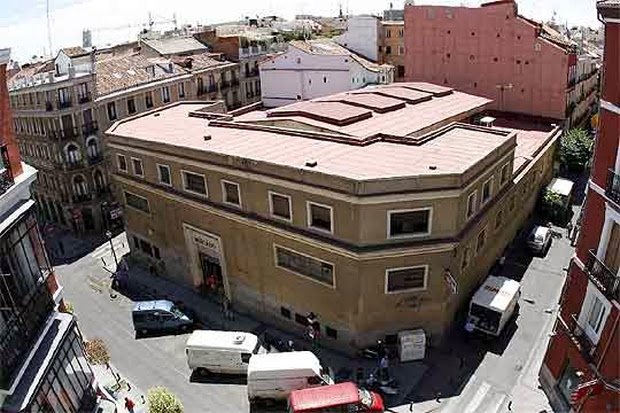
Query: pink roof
pixel 346 137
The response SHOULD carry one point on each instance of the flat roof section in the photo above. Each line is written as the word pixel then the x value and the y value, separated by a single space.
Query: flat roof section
pixel 330 112
pixel 374 101
pixel 453 150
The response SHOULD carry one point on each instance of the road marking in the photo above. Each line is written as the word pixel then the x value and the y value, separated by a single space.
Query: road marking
pixel 478 397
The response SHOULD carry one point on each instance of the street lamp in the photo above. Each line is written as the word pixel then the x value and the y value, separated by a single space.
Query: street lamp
pixel 108 234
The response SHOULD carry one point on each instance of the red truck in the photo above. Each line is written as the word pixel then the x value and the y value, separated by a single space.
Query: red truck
pixel 343 397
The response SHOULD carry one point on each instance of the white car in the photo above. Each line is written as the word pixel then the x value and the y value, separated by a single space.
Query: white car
pixel 539 239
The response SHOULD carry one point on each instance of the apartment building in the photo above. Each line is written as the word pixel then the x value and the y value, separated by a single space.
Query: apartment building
pixel 582 364
pixel 61 107
pixel 392 47
pixel 43 366
pixel 245 46
pixel 362 36
pixel 493 51
pixel 315 68
pixel 379 209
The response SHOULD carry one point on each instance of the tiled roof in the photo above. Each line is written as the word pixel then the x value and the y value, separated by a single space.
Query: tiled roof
pixel 176 45
pixel 123 72
pixel 198 61
pixel 74 51
pixel 29 71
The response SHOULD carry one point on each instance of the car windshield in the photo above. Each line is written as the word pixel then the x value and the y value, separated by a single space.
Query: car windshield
pixel 365 398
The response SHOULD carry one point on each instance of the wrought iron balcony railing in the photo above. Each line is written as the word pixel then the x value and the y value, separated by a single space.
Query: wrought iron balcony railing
pixel 90 128
pixel 84 97
pixel 605 279
pixel 78 199
pixel 63 104
pixel 68 133
pixel 612 189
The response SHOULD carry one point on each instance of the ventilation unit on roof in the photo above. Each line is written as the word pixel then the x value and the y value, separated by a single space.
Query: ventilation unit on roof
pixel 239 339
pixel 487 121
pixel 311 164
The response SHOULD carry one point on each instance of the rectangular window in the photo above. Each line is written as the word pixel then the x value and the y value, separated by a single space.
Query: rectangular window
pixel 165 94
pixel 401 50
pixel 112 111
pixel 163 171
pixel 388 49
pixel 331 332
pixel 471 203
pixel 409 223
pixel 499 218
pixel 505 173
pixel 320 216
pixel 487 190
pixel 136 242
pixel 595 315
pixel 156 253
pixel 181 90
pixel 280 206
pixel 401 32
pixel 193 182
pixel 305 265
pixel 131 106
pixel 137 202
pixel 148 100
pixel 482 239
pixel 230 193
pixel 465 258
pixel 388 33
pixel 409 279
pixel 137 167
pixel 122 163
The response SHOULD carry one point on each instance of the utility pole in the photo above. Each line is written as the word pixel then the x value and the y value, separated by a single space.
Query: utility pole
pixel 49 29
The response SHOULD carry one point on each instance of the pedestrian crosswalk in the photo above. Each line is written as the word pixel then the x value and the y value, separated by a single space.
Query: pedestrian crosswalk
pixel 477 397
pixel 104 251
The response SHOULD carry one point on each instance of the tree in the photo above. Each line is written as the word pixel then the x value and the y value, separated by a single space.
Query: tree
pixel 553 206
pixel 575 149
pixel 161 400
pixel 97 353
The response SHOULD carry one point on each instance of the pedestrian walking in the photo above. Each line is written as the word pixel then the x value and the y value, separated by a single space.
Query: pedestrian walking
pixel 383 368
pixel 227 309
pixel 569 229
pixel 129 405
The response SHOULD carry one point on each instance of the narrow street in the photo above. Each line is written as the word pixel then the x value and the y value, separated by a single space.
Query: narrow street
pixel 489 375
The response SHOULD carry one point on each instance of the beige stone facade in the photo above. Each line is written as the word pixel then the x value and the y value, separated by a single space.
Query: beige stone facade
pixel 392 47
pixel 339 251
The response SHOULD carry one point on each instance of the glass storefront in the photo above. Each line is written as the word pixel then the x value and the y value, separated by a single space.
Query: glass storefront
pixel 67 386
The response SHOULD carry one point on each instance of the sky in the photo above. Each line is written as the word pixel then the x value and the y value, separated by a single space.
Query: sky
pixel 23 23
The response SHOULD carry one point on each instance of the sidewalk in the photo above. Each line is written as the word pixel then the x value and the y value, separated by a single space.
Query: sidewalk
pixel 114 391
pixel 141 285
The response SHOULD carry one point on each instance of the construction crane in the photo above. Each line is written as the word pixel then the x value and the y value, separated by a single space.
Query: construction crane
pixel 143 26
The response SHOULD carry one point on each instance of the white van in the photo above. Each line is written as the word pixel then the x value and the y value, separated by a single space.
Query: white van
pixel 227 352
pixel 493 305
pixel 274 376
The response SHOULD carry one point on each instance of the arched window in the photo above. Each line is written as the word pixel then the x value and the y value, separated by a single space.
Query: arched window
pixel 73 153
pixel 92 147
pixel 80 187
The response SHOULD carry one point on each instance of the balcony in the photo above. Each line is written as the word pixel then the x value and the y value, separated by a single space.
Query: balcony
pixel 578 336
pixel 234 82
pixel 73 165
pixel 64 104
pixel 225 84
pixel 49 106
pixel 93 160
pixel 81 198
pixel 252 72
pixel 605 279
pixel 103 190
pixel 90 128
pixel 68 133
pixel 612 190
pixel 6 179
pixel 20 331
pixel 212 88
pixel 84 98
pixel 201 91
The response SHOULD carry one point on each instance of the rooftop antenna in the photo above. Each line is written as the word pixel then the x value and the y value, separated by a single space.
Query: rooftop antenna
pixel 49 29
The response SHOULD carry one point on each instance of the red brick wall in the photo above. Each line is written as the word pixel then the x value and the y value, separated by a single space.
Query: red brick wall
pixel 592 224
pixel 611 64
pixel 475 50
pixel 6 125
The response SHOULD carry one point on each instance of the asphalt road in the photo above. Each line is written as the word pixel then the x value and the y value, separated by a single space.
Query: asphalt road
pixel 491 375
pixel 147 362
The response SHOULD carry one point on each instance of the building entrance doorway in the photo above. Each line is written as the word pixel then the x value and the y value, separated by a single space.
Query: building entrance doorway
pixel 212 278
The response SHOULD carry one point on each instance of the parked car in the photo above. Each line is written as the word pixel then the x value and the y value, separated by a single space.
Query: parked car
pixel 274 376
pixel 227 352
pixel 539 239
pixel 159 315
pixel 337 398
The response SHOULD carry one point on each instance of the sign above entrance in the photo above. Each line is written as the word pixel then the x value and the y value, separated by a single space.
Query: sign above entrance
pixel 207 242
